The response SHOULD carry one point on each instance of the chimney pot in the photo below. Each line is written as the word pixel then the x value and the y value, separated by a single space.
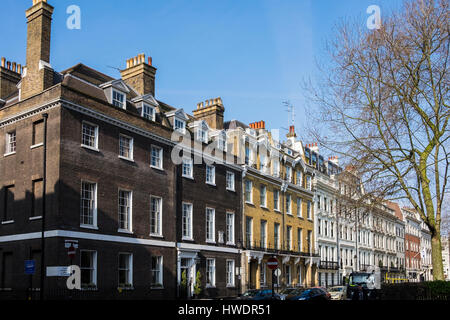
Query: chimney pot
pixel 8 65
pixel 3 62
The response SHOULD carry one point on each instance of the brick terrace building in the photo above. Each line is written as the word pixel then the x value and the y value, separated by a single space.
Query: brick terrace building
pixel 412 244
pixel 144 226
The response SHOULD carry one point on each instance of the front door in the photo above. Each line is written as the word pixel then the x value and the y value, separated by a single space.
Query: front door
pixel 187 277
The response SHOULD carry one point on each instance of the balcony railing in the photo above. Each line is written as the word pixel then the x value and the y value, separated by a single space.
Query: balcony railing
pixel 269 247
pixel 328 265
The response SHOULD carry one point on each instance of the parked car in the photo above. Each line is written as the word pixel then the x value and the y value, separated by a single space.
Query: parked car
pixel 325 290
pixel 338 293
pixel 266 295
pixel 249 294
pixel 286 292
pixel 295 295
pixel 314 294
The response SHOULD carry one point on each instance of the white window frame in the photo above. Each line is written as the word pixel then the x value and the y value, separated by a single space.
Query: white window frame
pixel 300 207
pixel 189 225
pixel 11 144
pixel 211 268
pixel 190 164
pixel 213 175
pixel 276 227
pixel 131 147
pixel 115 102
pixel 160 269
pixel 145 114
pixel 250 183
pixel 230 273
pixel 230 181
pixel 202 135
pixel 277 193
pixel 95 147
pixel 93 268
pixel 159 158
pixel 94 208
pixel 300 239
pixel 289 204
pixel 130 270
pixel 130 213
pixel 261 188
pixel 230 238
pixel 289 237
pixel 159 215
pixel 182 128
pixel 210 225
pixel 263 231
pixel 308 209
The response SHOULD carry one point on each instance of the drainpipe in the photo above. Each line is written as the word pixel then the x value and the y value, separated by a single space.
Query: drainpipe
pixel 44 185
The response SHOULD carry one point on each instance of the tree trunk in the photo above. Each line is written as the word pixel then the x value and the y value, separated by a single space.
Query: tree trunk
pixel 436 256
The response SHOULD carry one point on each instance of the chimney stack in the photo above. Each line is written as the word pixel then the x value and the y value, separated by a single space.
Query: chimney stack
pixel 258 125
pixel 39 74
pixel 140 74
pixel 211 111
pixel 10 76
pixel 291 133
pixel 334 160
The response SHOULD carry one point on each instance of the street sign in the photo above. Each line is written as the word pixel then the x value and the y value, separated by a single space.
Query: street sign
pixel 272 263
pixel 30 266
pixel 58 271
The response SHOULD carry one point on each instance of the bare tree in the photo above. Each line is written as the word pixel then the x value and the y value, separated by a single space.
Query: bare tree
pixel 384 103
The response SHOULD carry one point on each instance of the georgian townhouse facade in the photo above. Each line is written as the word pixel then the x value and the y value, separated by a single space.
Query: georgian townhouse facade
pixel 412 244
pixel 425 251
pixel 278 213
pixel 384 238
pixel 91 157
pixel 400 237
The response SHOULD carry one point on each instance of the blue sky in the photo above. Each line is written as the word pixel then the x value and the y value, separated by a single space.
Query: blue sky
pixel 252 53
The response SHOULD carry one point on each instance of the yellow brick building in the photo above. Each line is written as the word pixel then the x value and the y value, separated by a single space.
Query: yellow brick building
pixel 277 208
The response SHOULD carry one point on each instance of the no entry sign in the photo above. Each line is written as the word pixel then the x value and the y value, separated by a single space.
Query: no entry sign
pixel 272 263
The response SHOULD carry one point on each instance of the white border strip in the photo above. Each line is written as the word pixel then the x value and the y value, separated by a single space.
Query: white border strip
pixel 207 248
pixel 110 238
pixel 87 236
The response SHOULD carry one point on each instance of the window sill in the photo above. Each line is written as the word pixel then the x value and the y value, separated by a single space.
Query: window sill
pixel 230 244
pixel 210 286
pixel 126 159
pixel 264 207
pixel 154 167
pixel 9 154
pixel 8 222
pixel 231 190
pixel 88 226
pixel 125 231
pixel 210 241
pixel 231 286
pixel 154 235
pixel 289 214
pixel 277 211
pixel 34 146
pixel 188 177
pixel 156 288
pixel 90 148
pixel 250 203
pixel 187 239
pixel 211 184
pixel 35 218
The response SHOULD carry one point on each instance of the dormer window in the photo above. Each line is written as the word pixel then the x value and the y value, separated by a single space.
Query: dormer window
pixel 118 99
pixel 148 112
pixel 222 142
pixel 180 125
pixel 202 135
